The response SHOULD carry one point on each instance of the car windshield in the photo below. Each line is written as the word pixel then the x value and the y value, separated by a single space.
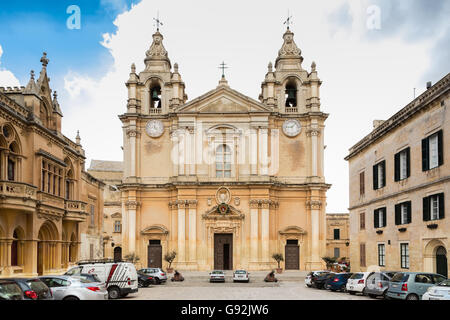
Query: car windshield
pixel 240 272
pixel 217 272
pixel 400 277
pixel 10 291
pixel 445 283
pixel 37 286
pixel 357 276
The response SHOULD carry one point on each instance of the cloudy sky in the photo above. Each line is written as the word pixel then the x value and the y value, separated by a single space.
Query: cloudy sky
pixel 369 66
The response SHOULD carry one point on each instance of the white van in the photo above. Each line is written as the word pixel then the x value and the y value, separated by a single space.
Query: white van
pixel 120 277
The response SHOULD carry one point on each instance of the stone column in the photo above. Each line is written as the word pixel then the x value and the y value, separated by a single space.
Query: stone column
pixel 132 134
pixel 181 152
pixel 175 157
pixel 191 152
pixel 314 133
pixel 315 206
pixel 253 152
pixel 254 205
pixel 181 231
pixel 265 231
pixel 8 252
pixel 132 208
pixel 192 230
pixel 263 155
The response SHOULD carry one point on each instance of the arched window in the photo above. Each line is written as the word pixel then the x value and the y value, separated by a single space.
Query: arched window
pixel 291 95
pixel 12 161
pixel 223 161
pixel 155 97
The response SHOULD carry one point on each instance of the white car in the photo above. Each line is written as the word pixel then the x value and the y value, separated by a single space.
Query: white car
pixel 217 276
pixel 241 275
pixel 308 279
pixel 438 292
pixel 357 282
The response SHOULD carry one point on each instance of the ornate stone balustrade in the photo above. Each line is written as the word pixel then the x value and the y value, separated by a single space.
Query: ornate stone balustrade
pixel 17 189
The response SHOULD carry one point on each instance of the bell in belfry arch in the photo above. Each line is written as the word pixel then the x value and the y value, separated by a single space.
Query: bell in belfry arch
pixel 291 100
pixel 155 96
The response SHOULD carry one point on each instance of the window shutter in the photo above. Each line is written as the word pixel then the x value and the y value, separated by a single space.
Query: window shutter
pixel 426 209
pixel 398 220
pixel 440 148
pixel 376 219
pixel 441 206
pixel 408 162
pixel 409 211
pixel 361 183
pixel 397 167
pixel 383 169
pixel 425 155
pixel 384 211
pixel 375 177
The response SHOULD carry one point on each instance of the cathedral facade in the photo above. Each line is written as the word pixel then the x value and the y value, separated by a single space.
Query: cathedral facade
pixel 224 180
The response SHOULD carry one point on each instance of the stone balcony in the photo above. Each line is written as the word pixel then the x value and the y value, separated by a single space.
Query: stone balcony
pixel 75 211
pixel 17 195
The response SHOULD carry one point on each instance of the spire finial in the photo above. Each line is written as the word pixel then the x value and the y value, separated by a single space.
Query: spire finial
pixel 270 66
pixel 55 95
pixel 78 139
pixel 175 67
pixel 32 75
pixel 157 22
pixel 313 66
pixel 44 60
pixel 133 68
pixel 288 21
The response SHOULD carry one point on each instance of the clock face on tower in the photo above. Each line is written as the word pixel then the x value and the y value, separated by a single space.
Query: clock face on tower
pixel 155 128
pixel 292 127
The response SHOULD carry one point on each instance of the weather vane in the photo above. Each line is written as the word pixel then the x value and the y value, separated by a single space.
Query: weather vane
pixel 288 22
pixel 158 22
pixel 223 67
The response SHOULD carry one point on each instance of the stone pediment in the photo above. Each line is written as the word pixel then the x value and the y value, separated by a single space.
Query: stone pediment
pixel 223 100
pixel 231 214
pixel 116 215
pixel 155 230
pixel 292 230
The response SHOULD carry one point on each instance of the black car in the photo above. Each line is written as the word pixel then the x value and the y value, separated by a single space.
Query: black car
pixel 33 288
pixel 320 280
pixel 144 280
pixel 10 290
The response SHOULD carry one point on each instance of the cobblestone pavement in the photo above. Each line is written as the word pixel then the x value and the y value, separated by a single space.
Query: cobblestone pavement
pixel 198 287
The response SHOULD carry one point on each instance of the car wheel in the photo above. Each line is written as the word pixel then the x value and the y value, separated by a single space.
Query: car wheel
pixel 71 299
pixel 114 293
pixel 412 297
pixel 157 281
pixel 363 292
pixel 352 292
pixel 309 286
pixel 385 295
pixel 373 296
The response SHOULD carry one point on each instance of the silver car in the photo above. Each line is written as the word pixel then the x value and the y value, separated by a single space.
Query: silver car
pixel 377 283
pixel 241 275
pixel 75 288
pixel 217 276
pixel 158 274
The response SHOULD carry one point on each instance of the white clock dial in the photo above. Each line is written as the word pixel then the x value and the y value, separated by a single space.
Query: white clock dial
pixel 155 128
pixel 292 127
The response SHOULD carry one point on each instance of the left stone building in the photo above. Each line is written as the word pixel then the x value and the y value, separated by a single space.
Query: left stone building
pixel 50 208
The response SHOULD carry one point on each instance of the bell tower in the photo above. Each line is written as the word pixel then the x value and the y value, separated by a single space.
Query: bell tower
pixel 290 89
pixel 156 90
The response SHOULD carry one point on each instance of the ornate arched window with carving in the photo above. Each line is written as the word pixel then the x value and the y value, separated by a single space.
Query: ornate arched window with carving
pixel 223 161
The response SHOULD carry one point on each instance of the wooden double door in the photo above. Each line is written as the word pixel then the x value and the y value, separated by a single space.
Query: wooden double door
pixel 154 254
pixel 292 255
pixel 223 251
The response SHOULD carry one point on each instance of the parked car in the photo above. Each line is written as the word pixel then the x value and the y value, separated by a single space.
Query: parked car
pixel 120 278
pixel 377 283
pixel 309 276
pixel 75 288
pixel 357 283
pixel 441 291
pixel 241 275
pixel 320 280
pixel 144 280
pixel 337 282
pixel 10 290
pixel 412 285
pixel 33 288
pixel 217 276
pixel 158 274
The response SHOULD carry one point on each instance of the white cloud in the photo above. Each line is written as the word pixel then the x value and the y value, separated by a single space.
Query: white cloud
pixel 7 78
pixel 362 80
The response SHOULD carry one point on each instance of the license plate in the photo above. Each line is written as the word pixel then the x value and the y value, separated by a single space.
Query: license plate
pixel 394 286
